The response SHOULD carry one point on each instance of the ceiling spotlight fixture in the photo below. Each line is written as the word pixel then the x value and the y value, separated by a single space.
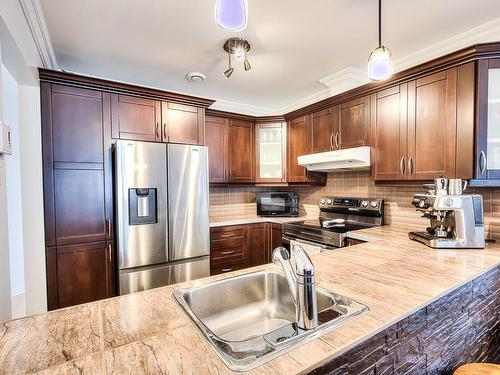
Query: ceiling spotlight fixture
pixel 238 48
pixel 380 60
pixel 231 14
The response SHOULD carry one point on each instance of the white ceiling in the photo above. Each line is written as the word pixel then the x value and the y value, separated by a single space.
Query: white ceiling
pixel 294 43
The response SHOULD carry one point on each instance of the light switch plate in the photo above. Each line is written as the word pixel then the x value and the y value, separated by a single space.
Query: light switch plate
pixel 5 139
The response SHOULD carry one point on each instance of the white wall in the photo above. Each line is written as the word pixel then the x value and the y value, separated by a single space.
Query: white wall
pixel 5 293
pixel 32 199
pixel 13 176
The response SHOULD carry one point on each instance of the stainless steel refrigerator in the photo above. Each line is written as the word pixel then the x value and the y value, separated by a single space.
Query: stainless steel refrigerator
pixel 162 214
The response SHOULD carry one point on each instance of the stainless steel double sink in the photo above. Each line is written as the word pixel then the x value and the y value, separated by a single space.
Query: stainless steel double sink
pixel 250 319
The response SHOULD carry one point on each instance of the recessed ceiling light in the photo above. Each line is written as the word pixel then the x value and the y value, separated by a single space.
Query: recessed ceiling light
pixel 196 77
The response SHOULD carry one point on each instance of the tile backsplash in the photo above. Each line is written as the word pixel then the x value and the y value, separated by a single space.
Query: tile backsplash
pixel 240 201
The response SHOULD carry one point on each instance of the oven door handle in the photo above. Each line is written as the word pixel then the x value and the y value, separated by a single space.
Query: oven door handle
pixel 287 240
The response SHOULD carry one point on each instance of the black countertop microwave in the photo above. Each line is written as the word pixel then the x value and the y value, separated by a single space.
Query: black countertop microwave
pixel 278 204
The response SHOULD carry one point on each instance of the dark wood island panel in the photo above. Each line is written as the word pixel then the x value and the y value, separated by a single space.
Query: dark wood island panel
pixel 462 327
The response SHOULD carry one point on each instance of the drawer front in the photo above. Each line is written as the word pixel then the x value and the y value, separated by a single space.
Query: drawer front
pixel 227 265
pixel 227 233
pixel 232 244
pixel 226 252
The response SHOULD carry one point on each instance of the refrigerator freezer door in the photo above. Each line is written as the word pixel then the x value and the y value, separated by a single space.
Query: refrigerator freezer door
pixel 189 234
pixel 132 281
pixel 141 200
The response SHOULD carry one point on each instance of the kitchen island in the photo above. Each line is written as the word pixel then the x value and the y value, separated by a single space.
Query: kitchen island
pixel 428 309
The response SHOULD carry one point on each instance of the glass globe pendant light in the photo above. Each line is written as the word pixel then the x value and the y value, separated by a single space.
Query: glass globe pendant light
pixel 380 60
pixel 231 14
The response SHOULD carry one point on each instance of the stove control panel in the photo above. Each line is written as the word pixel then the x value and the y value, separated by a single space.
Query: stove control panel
pixel 351 204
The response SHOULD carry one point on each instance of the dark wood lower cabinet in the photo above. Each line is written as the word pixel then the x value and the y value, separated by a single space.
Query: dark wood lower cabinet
pixel 240 246
pixel 79 274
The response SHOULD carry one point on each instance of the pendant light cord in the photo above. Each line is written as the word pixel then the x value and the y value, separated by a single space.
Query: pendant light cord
pixel 380 23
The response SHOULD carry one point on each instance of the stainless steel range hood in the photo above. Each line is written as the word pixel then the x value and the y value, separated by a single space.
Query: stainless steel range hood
pixel 350 158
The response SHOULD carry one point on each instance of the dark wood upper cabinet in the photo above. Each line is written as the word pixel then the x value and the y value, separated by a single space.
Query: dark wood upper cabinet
pixel 423 129
pixel 136 118
pixel 354 123
pixel 432 104
pixel 270 152
pixel 389 133
pixel 241 151
pixel 487 156
pixel 84 273
pixel 77 115
pixel 216 139
pixel 182 124
pixel 322 131
pixel 299 134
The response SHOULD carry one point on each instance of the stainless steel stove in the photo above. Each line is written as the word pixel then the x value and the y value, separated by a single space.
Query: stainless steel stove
pixel 338 215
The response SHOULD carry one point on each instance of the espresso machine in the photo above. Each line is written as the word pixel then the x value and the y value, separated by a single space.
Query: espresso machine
pixel 456 219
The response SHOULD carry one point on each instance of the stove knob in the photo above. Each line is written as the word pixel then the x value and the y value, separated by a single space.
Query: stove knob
pixel 322 201
pixel 364 204
pixel 329 201
pixel 374 204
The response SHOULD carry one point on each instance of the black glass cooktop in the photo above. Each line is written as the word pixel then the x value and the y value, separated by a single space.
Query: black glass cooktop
pixel 335 227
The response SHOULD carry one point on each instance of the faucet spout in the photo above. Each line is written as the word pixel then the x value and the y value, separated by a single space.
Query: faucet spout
pixel 281 257
pixel 302 284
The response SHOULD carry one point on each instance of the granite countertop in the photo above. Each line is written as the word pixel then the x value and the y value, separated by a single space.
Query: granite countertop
pixel 148 332
pixel 222 221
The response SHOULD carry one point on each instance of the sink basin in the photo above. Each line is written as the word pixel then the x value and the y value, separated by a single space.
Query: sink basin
pixel 250 319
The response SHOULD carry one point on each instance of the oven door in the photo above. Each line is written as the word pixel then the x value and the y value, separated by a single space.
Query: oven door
pixel 286 243
pixel 273 204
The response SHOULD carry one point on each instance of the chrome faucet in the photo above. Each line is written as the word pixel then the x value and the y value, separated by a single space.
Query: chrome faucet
pixel 301 283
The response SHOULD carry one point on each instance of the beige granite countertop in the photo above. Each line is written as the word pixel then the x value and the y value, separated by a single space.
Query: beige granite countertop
pixel 222 221
pixel 148 332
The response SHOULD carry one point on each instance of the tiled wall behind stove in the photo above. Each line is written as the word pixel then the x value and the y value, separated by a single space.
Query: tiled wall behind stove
pixel 240 201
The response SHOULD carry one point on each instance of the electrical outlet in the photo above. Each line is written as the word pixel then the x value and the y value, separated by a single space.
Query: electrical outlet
pixel 5 139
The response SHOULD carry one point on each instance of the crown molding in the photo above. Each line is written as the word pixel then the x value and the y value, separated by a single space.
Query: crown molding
pixel 345 80
pixel 33 14
pixel 245 109
pixel 487 32
pixel 308 100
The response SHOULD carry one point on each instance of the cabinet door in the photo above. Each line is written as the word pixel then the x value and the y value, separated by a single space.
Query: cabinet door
pixel 276 240
pixel 298 139
pixel 182 124
pixel 216 139
pixel 389 127
pixel 354 123
pixel 241 151
pixel 432 126
pixel 270 152
pixel 257 247
pixel 77 124
pixel 136 118
pixel 322 131
pixel 487 165
pixel 83 273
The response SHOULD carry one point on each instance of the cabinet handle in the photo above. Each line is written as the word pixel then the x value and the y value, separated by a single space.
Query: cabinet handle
pixel 110 253
pixel 108 227
pixel 226 269
pixel 483 161
pixel 410 165
pixel 165 131
pixel 227 252
pixel 402 166
pixel 305 174
pixel 331 141
pixel 229 174
pixel 337 140
pixel 227 235
pixel 157 129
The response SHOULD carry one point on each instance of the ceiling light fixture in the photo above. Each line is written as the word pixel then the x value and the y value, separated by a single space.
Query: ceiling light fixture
pixel 231 14
pixel 195 77
pixel 380 60
pixel 238 48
